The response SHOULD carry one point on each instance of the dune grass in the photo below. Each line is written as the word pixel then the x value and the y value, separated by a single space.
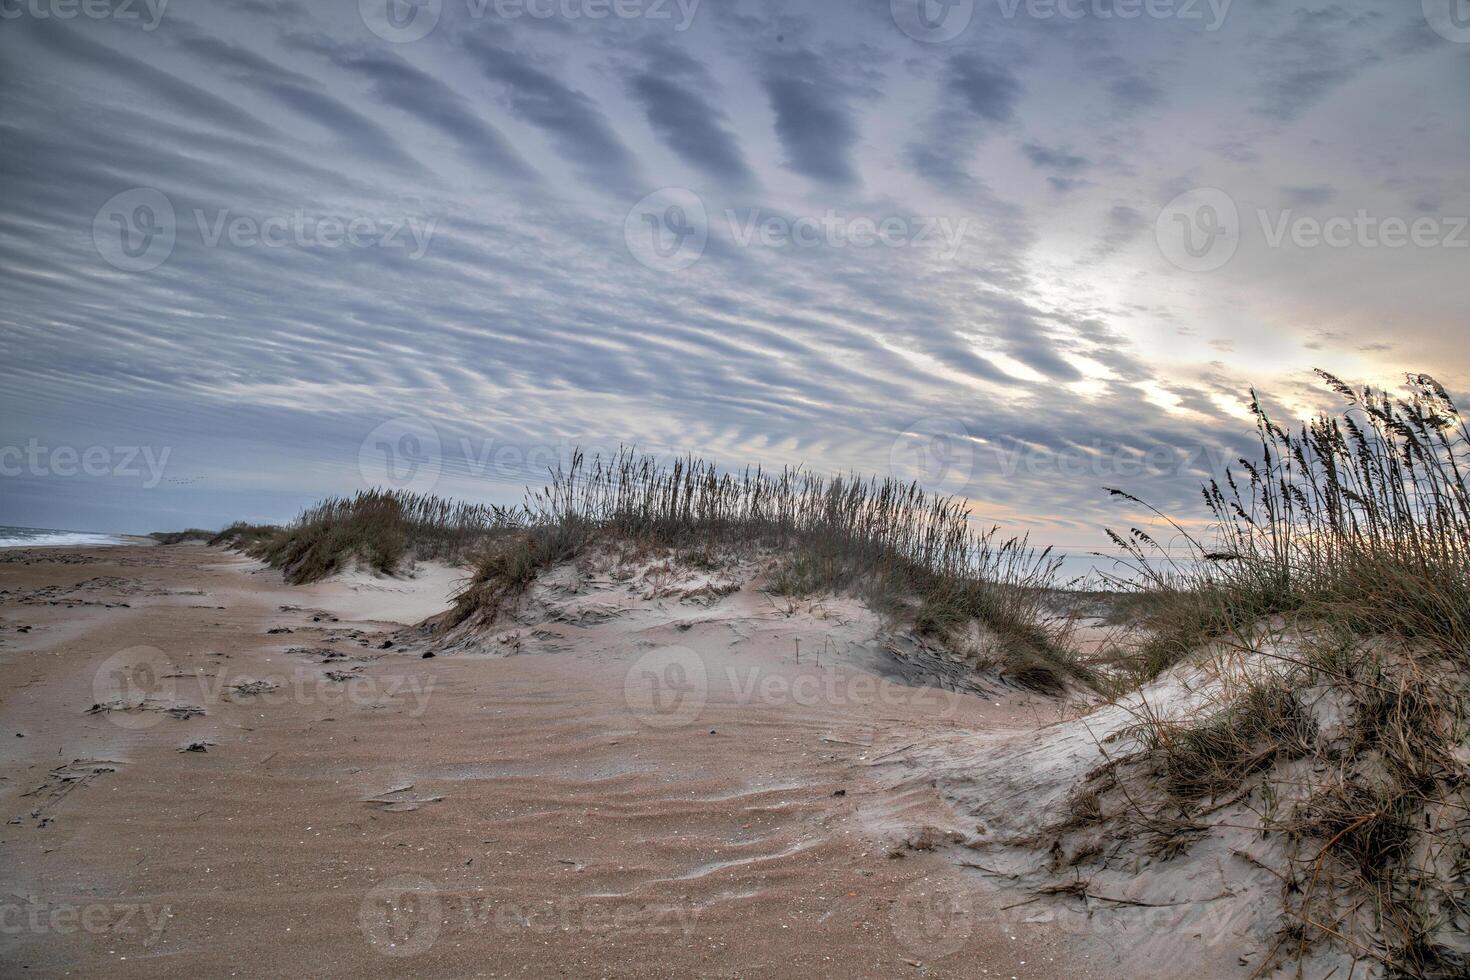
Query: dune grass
pixel 1362 517
pixel 380 530
pixel 1343 554
pixel 906 552
pixel 179 537
pixel 243 536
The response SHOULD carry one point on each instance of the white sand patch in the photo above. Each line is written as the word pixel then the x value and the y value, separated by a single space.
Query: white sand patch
pixel 1209 909
pixel 360 596
pixel 363 597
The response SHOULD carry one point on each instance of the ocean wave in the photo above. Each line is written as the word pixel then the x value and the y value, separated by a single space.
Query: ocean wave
pixel 34 537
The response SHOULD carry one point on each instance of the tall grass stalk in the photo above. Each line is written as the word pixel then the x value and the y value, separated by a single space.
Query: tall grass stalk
pixel 900 547
pixel 1343 554
pixel 379 529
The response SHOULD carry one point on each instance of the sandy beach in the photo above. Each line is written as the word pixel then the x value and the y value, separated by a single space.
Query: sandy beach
pixel 209 772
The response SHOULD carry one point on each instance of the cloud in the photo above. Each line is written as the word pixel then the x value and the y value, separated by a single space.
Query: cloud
pixel 1124 224
pixel 194 101
pixel 976 95
pixel 573 121
pixel 1313 196
pixel 1133 92
pixel 397 83
pixel 986 89
pixel 670 87
pixel 1236 151
pixel 1066 185
pixel 1054 159
pixel 362 136
pixel 814 119
pixel 526 321
pixel 1321 50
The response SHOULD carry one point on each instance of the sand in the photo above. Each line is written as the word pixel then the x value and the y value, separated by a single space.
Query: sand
pixel 640 778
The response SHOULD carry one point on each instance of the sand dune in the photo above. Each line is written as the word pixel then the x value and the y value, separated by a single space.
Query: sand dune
pixel 641 778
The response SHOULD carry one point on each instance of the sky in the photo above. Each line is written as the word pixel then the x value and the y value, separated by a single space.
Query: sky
pixel 254 253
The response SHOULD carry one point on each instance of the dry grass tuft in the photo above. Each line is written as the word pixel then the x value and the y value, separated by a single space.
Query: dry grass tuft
pixel 906 552
pixel 376 529
pixel 243 537
pixel 1342 555
pixel 179 537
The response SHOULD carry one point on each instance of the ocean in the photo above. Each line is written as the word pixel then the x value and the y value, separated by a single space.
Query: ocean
pixel 41 537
